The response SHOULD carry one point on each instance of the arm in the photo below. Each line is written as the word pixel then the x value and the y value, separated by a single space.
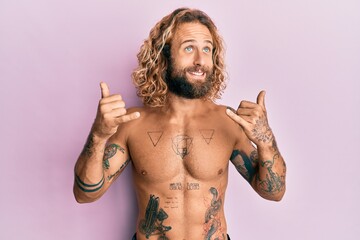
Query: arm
pixel 263 167
pixel 93 172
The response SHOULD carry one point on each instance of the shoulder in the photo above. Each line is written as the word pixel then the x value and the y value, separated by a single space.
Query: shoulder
pixel 231 126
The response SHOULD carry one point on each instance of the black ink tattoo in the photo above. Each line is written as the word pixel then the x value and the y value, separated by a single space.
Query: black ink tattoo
pixel 244 164
pixel 88 187
pixel 171 202
pixel 155 137
pixel 110 177
pixel 181 145
pixel 274 145
pixel 207 134
pixel 88 148
pixel 154 218
pixel 110 151
pixel 254 157
pixel 212 221
pixel 262 131
pixel 175 186
pixel 193 186
pixel 273 183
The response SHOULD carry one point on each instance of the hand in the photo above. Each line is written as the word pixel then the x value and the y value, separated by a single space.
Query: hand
pixel 252 118
pixel 111 112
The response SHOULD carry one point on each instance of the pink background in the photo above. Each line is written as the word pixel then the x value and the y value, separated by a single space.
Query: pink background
pixel 53 54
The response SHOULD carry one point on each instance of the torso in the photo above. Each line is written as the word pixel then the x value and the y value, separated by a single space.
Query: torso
pixel 180 171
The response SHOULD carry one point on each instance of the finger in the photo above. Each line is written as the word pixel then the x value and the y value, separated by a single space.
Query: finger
pixel 113 104
pixel 237 118
pixel 247 104
pixel 105 92
pixel 115 113
pixel 261 99
pixel 246 111
pixel 128 117
pixel 111 98
pixel 248 119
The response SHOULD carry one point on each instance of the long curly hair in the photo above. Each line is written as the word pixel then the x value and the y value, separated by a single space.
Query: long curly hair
pixel 149 76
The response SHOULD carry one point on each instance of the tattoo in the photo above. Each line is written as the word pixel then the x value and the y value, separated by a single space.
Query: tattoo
pixel 262 131
pixel 212 221
pixel 88 148
pixel 274 145
pixel 171 202
pixel 88 187
pixel 155 137
pixel 254 157
pixel 272 183
pixel 207 134
pixel 244 164
pixel 110 151
pixel 181 145
pixel 175 186
pixel 193 186
pixel 153 222
pixel 118 171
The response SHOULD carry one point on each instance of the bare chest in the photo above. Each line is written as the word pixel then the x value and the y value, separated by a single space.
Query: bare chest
pixel 165 152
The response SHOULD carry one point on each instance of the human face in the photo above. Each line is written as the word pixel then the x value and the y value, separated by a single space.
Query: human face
pixel 191 66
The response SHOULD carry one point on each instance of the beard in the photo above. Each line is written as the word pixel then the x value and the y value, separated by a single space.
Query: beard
pixel 178 83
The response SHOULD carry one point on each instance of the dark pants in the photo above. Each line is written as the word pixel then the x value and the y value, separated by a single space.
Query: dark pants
pixel 134 237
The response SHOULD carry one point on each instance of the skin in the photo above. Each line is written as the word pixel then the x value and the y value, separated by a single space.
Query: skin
pixel 180 152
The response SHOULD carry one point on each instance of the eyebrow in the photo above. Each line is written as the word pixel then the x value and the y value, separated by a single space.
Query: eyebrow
pixel 192 40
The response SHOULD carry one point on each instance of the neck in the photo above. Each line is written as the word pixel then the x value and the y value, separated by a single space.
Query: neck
pixel 180 107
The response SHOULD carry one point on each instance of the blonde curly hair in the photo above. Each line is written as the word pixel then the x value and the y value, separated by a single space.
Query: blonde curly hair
pixel 149 76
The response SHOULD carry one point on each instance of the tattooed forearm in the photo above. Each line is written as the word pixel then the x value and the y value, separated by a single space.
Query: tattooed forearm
pixel 152 224
pixel 110 177
pixel 110 151
pixel 244 165
pixel 88 148
pixel 88 187
pixel 272 182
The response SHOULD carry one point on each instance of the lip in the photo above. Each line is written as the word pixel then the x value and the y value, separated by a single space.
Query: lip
pixel 197 75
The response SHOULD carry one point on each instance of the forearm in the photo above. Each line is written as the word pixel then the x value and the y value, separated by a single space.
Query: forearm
pixel 269 180
pixel 89 173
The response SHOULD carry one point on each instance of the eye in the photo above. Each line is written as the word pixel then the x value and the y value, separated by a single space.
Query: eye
pixel 207 50
pixel 188 48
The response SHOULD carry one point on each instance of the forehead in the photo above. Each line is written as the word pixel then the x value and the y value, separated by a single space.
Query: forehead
pixel 192 31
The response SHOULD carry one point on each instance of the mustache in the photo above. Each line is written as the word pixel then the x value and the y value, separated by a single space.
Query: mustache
pixel 197 68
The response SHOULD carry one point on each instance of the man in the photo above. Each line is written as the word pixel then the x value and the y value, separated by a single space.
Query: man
pixel 180 142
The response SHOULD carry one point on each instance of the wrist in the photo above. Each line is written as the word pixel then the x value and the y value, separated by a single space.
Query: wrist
pixel 268 146
pixel 98 135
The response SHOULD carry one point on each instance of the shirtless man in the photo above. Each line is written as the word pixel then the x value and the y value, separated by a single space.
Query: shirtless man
pixel 180 142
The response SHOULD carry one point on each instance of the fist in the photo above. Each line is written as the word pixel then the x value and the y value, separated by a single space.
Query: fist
pixel 252 117
pixel 111 112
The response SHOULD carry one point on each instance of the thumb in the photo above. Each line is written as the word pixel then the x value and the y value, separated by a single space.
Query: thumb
pixel 261 99
pixel 105 92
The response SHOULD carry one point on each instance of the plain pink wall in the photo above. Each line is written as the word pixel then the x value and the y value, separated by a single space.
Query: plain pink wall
pixel 53 54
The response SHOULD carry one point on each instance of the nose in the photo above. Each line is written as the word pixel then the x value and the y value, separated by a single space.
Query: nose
pixel 199 58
